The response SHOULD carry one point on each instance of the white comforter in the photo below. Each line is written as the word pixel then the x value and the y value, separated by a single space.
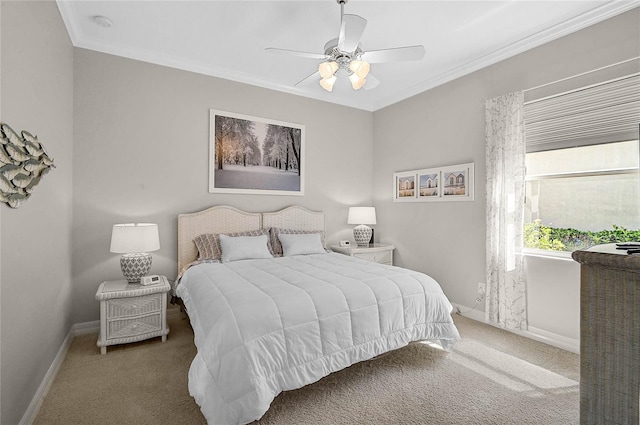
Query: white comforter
pixel 265 326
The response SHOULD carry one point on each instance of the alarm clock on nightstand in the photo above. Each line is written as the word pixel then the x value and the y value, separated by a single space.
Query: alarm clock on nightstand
pixel 150 280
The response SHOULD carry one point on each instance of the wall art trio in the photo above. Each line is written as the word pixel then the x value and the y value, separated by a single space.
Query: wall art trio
pixel 450 183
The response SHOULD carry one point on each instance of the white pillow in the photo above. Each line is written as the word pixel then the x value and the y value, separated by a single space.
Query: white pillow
pixel 301 244
pixel 244 247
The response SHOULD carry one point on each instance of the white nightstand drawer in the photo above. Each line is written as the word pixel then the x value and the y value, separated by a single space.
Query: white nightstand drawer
pixel 377 257
pixel 122 307
pixel 377 253
pixel 126 328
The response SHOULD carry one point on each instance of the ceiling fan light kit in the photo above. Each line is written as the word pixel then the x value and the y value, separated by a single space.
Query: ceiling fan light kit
pixel 356 81
pixel 345 53
pixel 361 68
pixel 327 83
pixel 327 69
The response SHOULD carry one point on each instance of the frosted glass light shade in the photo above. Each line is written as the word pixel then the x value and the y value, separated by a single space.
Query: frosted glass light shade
pixel 327 83
pixel 327 69
pixel 357 82
pixel 362 215
pixel 360 68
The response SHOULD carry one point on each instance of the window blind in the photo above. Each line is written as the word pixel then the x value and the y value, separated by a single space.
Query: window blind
pixel 602 113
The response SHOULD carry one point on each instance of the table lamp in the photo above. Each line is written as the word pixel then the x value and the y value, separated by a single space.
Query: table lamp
pixel 362 216
pixel 135 241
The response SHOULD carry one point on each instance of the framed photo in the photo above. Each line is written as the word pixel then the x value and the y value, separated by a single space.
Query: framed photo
pixel 405 188
pixel 450 183
pixel 457 182
pixel 429 187
pixel 253 155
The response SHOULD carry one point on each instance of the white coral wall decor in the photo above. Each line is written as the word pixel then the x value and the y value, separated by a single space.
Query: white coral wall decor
pixel 23 162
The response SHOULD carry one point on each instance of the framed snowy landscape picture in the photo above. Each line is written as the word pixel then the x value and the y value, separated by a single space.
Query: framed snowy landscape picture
pixel 255 155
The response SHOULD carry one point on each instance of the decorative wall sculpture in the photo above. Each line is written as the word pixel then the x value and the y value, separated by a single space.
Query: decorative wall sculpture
pixel 23 162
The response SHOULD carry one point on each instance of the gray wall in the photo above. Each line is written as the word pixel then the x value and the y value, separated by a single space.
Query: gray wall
pixel 141 154
pixel 37 96
pixel 445 126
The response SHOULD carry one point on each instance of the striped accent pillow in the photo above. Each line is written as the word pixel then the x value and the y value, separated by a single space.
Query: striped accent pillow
pixel 208 244
pixel 276 246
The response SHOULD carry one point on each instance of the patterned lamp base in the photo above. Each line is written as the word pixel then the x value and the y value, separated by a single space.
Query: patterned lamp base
pixel 362 234
pixel 135 265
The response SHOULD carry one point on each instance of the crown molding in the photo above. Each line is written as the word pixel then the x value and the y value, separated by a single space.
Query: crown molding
pixel 598 14
pixel 591 17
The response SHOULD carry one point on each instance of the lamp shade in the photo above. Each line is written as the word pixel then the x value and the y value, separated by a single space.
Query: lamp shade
pixel 327 83
pixel 356 81
pixel 134 237
pixel 327 69
pixel 360 68
pixel 362 215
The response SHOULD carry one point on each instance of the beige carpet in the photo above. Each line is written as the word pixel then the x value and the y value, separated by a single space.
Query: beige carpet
pixel 491 377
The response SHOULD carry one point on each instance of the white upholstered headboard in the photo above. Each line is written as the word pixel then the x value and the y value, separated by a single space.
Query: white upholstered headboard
pixel 227 219
pixel 295 217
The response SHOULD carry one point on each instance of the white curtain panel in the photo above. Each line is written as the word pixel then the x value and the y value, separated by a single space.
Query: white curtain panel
pixel 506 295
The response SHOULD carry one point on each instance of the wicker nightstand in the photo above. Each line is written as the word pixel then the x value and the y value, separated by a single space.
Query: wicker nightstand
pixel 131 312
pixel 378 253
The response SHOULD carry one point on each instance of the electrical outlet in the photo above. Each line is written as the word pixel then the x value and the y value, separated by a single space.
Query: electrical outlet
pixel 481 291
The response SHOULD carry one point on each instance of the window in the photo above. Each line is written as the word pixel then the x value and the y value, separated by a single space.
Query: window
pixel 582 196
pixel 582 161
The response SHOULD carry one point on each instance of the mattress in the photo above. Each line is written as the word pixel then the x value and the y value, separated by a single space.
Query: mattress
pixel 271 325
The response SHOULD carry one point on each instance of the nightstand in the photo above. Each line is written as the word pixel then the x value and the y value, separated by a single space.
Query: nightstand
pixel 378 253
pixel 131 312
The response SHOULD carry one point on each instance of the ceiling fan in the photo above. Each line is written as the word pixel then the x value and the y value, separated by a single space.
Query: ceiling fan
pixel 345 54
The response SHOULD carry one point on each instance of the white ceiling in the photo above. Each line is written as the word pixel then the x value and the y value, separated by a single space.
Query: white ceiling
pixel 227 39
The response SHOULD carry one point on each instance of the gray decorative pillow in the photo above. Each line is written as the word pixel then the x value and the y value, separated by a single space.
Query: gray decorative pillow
pixel 208 244
pixel 276 246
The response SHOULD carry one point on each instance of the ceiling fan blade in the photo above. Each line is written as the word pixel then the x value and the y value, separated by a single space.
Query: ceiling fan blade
pixel 372 82
pixel 315 77
pixel 398 54
pixel 351 30
pixel 296 53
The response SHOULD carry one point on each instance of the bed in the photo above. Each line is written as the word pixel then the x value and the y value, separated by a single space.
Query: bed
pixel 267 325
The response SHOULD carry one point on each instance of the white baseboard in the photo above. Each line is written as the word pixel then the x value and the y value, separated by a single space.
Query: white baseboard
pixel 560 341
pixel 85 328
pixel 33 408
pixel 76 330
pixel 469 312
pixel 540 335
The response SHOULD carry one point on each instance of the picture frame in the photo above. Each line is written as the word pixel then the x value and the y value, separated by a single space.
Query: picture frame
pixel 449 183
pixel 404 186
pixel 253 155
pixel 429 187
pixel 457 182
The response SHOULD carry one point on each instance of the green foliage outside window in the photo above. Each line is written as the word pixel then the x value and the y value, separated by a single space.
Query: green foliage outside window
pixel 537 235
